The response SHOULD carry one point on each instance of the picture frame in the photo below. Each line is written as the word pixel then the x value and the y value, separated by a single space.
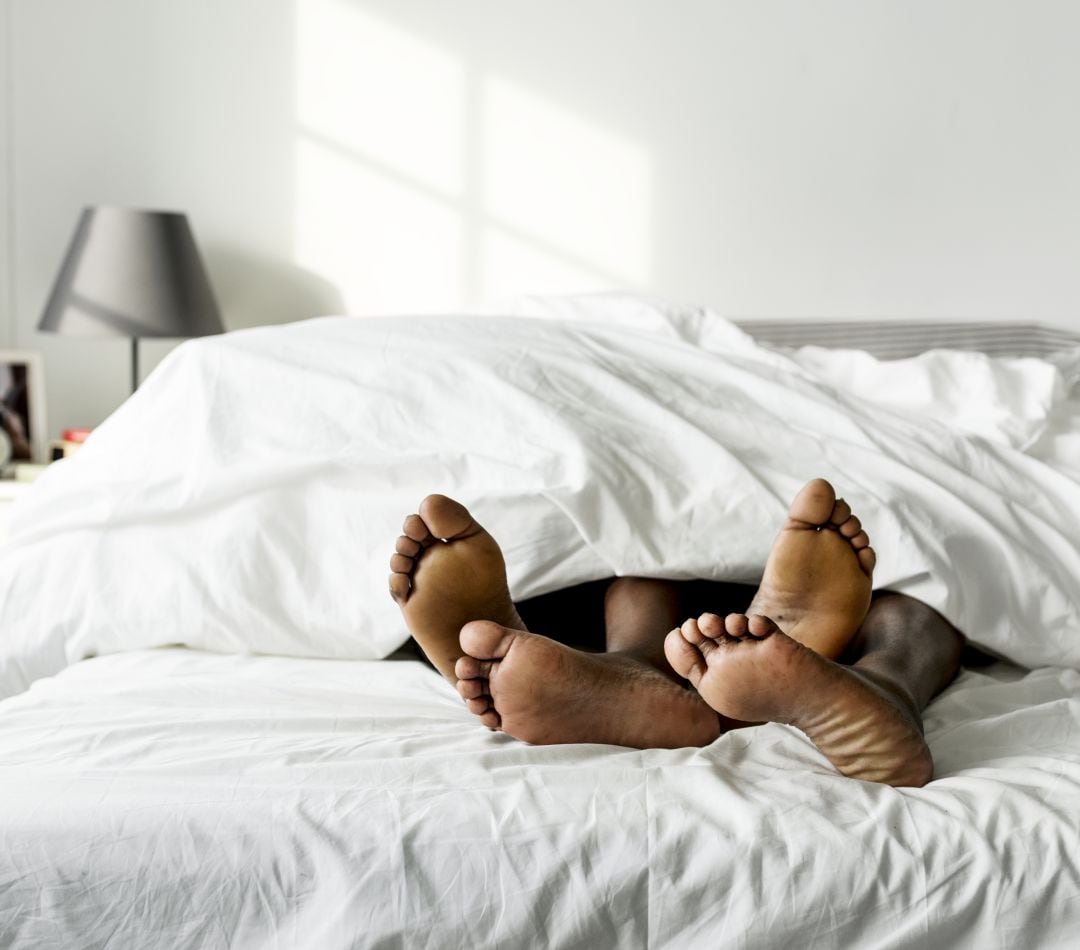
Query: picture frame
pixel 22 405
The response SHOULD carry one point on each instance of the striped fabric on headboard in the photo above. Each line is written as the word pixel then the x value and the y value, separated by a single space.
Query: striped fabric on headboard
pixel 896 339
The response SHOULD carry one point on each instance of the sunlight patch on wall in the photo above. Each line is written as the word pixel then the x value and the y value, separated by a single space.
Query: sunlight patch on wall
pixel 513 267
pixel 380 92
pixel 572 184
pixel 387 247
pixel 424 184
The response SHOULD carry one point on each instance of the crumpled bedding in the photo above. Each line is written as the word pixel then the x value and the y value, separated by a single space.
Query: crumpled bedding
pixel 244 502
pixel 246 498
pixel 181 799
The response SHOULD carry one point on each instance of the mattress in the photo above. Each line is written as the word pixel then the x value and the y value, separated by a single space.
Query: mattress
pixel 178 798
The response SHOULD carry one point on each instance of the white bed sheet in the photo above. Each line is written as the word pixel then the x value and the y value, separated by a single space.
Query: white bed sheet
pixel 173 798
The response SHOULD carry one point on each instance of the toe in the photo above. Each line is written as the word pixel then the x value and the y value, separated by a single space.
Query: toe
pixel 851 527
pixel 691 632
pixel 491 719
pixel 446 518
pixel 867 560
pixel 860 541
pixel 407 546
pixel 472 689
pixel 711 625
pixel 840 513
pixel 467 668
pixel 735 625
pixel 760 626
pixel 485 668
pixel 684 657
pixel 814 504
pixel 399 587
pixel 416 530
pixel 400 564
pixel 486 640
pixel 480 705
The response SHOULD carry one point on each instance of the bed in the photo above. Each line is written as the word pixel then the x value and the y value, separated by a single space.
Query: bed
pixel 211 737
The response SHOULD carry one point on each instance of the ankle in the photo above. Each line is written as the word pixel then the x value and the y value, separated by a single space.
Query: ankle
pixel 895 690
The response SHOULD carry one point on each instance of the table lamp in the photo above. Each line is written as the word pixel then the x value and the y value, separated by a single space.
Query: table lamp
pixel 134 273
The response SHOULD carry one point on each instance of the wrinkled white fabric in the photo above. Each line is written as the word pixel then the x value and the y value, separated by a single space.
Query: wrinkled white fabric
pixel 247 497
pixel 176 800
pixel 1058 445
pixel 246 500
pixel 1002 400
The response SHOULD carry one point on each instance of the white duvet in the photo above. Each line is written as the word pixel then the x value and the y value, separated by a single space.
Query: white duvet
pixel 245 502
pixel 246 499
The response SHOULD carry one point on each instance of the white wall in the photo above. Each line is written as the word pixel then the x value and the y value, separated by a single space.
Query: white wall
pixel 7 308
pixel 842 158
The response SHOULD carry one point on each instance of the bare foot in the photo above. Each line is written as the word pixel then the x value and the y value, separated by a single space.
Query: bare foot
pixel 545 693
pixel 818 578
pixel 447 570
pixel 747 669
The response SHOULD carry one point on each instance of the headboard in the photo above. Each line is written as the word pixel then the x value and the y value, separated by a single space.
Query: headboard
pixel 896 339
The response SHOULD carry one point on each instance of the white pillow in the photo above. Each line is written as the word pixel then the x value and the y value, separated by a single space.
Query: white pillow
pixel 1006 401
pixel 699 326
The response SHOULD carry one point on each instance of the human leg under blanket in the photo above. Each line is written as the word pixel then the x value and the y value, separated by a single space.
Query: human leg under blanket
pixel 535 688
pixel 447 570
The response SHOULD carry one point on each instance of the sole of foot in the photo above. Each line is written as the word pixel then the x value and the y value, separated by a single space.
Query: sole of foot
pixel 545 693
pixel 746 668
pixel 819 575
pixel 445 571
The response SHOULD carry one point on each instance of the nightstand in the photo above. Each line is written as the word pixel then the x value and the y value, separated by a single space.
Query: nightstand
pixel 9 491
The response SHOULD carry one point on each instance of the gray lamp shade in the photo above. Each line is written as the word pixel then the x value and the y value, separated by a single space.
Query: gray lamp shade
pixel 132 273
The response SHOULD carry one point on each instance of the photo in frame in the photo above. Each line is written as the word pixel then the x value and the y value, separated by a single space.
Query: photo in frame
pixel 23 436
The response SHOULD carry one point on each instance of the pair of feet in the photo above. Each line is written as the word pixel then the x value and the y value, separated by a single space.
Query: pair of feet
pixel 775 663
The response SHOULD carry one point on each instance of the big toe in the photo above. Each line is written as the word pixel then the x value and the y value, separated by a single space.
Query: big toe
pixel 815 502
pixel 445 517
pixel 685 658
pixel 486 640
